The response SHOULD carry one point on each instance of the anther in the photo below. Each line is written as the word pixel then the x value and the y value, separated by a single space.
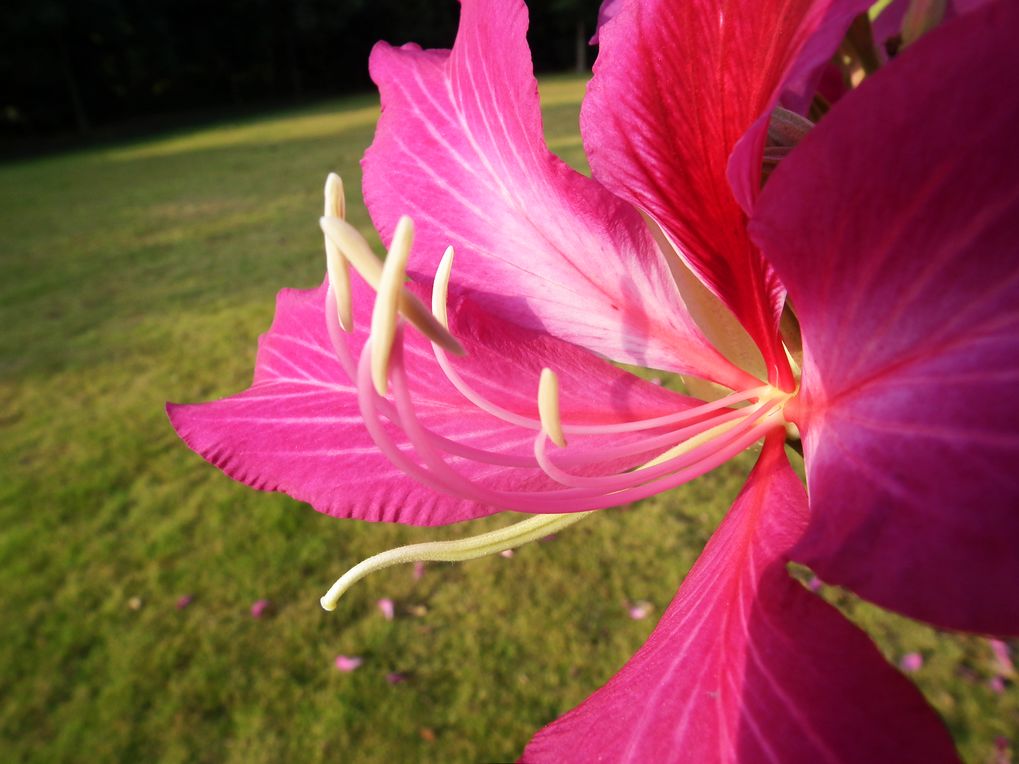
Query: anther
pixel 336 264
pixel 548 407
pixel 359 254
pixel 387 303
pixel 440 287
pixel 354 248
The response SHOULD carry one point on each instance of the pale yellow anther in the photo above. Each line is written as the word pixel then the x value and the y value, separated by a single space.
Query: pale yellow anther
pixel 355 249
pixel 548 407
pixel 387 303
pixel 360 255
pixel 440 288
pixel 336 264
pixel 336 200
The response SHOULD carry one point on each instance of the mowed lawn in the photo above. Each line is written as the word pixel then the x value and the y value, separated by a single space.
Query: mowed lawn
pixel 140 273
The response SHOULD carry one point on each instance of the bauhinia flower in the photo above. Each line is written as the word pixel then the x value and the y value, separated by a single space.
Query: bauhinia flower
pixel 864 298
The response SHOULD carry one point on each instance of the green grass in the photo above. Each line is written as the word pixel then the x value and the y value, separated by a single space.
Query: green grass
pixel 141 273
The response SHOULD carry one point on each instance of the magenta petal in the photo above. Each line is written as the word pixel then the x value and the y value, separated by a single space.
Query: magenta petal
pixel 608 10
pixel 459 148
pixel 888 24
pixel 747 665
pixel 897 242
pixel 676 85
pixel 820 29
pixel 298 429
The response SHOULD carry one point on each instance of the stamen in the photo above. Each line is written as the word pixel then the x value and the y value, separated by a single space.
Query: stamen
pixel 571 499
pixel 459 550
pixel 357 251
pixel 440 290
pixel 648 444
pixel 336 200
pixel 354 247
pixel 386 308
pixel 336 264
pixel 548 407
pixel 686 454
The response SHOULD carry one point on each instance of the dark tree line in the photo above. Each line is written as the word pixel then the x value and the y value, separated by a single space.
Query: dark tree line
pixel 75 64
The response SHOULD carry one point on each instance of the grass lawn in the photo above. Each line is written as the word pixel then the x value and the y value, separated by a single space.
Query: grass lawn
pixel 144 272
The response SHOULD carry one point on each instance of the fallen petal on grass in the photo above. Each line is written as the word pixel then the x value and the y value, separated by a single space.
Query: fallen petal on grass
pixel 640 610
pixel 911 662
pixel 1002 656
pixel 347 663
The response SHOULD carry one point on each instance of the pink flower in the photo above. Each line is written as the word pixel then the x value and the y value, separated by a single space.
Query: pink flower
pixel 184 600
pixel 864 300
pixel 395 677
pixel 260 608
pixel 385 607
pixel 347 663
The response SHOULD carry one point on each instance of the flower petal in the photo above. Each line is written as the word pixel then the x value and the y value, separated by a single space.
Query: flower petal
pixel 607 11
pixel 888 23
pixel 298 429
pixel 676 86
pixel 894 226
pixel 459 148
pixel 747 665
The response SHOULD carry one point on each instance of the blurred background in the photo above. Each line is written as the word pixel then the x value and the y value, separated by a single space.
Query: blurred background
pixel 163 179
pixel 79 66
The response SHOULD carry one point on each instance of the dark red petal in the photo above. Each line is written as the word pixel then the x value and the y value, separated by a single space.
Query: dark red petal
pixel 895 227
pixel 747 665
